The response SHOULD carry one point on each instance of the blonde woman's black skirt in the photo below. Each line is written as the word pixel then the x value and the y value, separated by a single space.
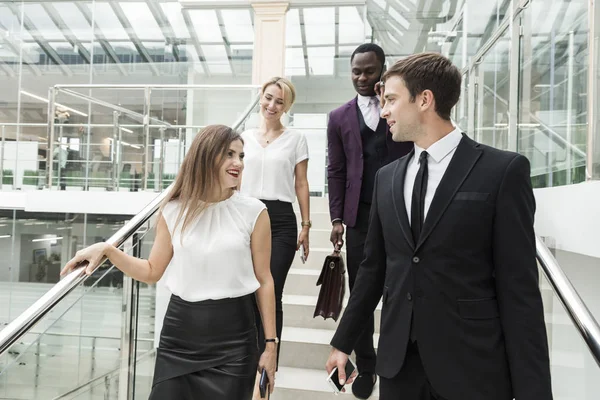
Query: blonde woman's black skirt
pixel 207 350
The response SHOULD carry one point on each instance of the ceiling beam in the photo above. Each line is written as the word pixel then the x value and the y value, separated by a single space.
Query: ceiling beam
pixel 108 49
pixel 134 37
pixel 66 31
pixel 40 40
pixel 6 68
pixel 163 22
pixel 304 45
pixel 195 40
pixel 225 40
pixel 16 49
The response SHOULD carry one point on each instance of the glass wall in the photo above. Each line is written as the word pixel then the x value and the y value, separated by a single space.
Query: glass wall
pixel 552 130
pixel 110 42
pixel 35 247
pixel 319 42
pixel 525 80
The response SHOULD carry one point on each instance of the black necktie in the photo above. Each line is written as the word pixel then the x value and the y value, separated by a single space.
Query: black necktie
pixel 417 211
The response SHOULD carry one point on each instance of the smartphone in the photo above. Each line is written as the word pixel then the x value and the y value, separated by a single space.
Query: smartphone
pixel 333 377
pixel 302 254
pixel 263 385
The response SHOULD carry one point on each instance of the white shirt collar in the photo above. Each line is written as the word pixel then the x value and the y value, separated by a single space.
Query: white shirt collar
pixel 440 149
pixel 363 101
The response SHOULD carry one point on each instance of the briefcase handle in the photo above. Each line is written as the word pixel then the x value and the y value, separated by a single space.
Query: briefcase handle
pixel 337 249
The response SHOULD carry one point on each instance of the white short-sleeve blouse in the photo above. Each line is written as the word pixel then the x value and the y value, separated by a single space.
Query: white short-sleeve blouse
pixel 269 171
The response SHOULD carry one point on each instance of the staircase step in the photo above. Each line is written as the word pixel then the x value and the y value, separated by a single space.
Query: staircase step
pixel 298 312
pixel 307 348
pixel 307 384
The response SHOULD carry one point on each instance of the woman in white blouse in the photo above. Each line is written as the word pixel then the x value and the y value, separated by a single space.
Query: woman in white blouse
pixel 217 245
pixel 276 165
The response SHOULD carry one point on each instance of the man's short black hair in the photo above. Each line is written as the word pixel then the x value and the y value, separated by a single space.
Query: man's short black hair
pixel 370 47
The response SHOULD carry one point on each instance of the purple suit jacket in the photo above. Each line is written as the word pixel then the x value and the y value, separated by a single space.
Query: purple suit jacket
pixel 345 166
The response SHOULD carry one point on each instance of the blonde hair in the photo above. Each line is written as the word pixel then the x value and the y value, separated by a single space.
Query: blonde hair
pixel 198 176
pixel 287 87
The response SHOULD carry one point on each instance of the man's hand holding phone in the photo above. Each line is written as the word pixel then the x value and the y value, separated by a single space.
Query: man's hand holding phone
pixel 346 370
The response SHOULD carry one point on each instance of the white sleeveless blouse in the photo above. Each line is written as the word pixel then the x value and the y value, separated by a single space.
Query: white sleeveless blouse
pixel 214 260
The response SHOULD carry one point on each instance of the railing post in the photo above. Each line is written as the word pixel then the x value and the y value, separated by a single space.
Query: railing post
pixel 180 148
pixel 570 105
pixel 60 154
pixel 147 151
pixel 129 329
pixel 116 143
pixel 50 147
pixel 2 157
pixel 161 162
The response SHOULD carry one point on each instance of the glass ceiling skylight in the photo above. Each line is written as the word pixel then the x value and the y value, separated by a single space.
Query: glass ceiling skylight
pixel 175 17
pixel 44 25
pixel 143 22
pixel 320 26
pixel 238 25
pixel 206 25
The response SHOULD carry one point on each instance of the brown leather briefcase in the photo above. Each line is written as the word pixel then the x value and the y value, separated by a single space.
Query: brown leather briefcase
pixel 333 287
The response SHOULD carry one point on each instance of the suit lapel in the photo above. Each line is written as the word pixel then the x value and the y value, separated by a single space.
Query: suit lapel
pixel 398 197
pixel 352 121
pixel 463 161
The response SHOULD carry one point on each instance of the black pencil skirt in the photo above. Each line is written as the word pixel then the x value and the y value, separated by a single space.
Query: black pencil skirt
pixel 207 350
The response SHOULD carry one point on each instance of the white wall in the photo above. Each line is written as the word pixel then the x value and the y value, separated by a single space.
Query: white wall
pixel 26 153
pixel 570 215
pixel 82 202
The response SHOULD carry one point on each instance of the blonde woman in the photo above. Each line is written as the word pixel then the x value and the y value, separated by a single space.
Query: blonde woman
pixel 217 245
pixel 276 168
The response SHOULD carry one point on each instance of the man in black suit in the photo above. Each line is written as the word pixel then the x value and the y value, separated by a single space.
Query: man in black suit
pixel 451 248
pixel 359 143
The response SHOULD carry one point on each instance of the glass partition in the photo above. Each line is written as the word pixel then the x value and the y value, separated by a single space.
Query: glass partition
pixel 44 43
pixel 552 129
pixel 82 342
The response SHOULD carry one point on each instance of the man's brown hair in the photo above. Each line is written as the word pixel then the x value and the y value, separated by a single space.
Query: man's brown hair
pixel 429 71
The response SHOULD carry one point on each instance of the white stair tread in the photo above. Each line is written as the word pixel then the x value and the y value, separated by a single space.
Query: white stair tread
pixel 314 380
pixel 314 336
pixel 298 300
pixel 302 271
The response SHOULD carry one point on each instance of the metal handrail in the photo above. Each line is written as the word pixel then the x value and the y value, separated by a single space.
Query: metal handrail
pixel 581 316
pixel 24 322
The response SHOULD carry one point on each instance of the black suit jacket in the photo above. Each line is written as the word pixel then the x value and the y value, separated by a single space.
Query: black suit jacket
pixel 471 280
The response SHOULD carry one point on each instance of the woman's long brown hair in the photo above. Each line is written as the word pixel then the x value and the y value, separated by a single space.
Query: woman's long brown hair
pixel 198 177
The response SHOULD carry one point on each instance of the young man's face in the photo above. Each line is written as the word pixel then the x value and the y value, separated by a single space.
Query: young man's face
pixel 402 114
pixel 366 72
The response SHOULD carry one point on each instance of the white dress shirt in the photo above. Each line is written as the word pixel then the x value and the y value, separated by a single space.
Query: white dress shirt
pixel 440 155
pixel 370 109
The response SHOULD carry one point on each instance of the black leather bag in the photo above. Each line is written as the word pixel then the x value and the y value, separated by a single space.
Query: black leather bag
pixel 333 287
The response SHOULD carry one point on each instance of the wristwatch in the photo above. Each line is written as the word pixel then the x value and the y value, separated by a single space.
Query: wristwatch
pixel 307 223
pixel 274 340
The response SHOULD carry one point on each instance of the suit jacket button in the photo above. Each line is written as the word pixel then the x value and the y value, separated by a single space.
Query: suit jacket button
pixel 416 260
pixel 409 296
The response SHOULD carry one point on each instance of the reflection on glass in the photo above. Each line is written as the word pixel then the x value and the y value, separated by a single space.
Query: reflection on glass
pixel 552 125
pixel 492 111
